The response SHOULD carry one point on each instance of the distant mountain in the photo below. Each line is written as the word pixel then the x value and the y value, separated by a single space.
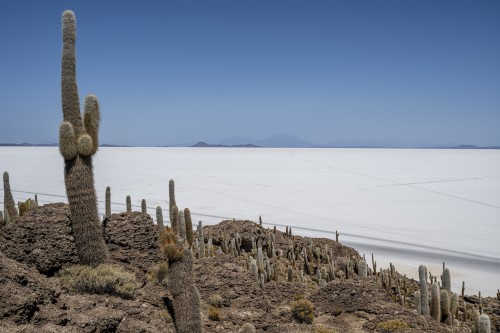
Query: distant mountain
pixel 26 144
pixel 235 140
pixel 284 141
pixel 204 144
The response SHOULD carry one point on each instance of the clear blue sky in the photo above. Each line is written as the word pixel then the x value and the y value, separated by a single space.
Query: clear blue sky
pixel 415 71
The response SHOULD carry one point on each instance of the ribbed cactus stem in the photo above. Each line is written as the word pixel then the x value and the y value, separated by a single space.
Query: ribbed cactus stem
pixel 290 274
pixel 454 305
pixel 171 195
pixel 445 307
pixel 144 207
pixel 484 324
pixel 435 302
pixel 446 280
pixel 418 302
pixel 108 202
pixel 9 203
pixel 182 225
pixel 129 204
pixel 78 143
pixel 424 296
pixel 159 219
pixel 189 226
pixel 175 219
pixel 362 269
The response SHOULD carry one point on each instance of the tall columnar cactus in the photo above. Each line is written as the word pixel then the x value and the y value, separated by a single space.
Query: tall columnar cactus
pixel 446 278
pixel 8 199
pixel 128 202
pixel 435 302
pixel 189 226
pixel 78 142
pixel 171 196
pixel 424 296
pixel 174 219
pixel 182 225
pixel 1 218
pixel 454 305
pixel 186 298
pixel 144 207
pixel 159 219
pixel 108 203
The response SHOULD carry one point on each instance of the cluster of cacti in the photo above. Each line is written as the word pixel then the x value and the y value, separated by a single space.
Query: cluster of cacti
pixel 159 219
pixel 78 142
pixel 26 205
pixel 186 298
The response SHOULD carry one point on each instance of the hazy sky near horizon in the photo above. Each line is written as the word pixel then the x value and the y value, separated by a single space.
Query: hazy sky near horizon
pixel 166 72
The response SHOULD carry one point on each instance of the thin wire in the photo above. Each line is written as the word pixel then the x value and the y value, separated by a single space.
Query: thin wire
pixel 395 182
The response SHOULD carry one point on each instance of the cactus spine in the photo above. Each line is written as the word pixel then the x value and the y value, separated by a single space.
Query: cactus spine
pixel 435 302
pixel 144 207
pixel 78 142
pixel 189 226
pixel 108 203
pixel 159 219
pixel 9 204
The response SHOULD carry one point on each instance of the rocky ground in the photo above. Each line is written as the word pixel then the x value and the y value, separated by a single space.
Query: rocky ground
pixel 34 248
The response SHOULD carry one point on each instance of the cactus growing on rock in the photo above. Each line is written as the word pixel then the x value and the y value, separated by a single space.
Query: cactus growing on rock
pixel 159 219
pixel 446 316
pixel 174 219
pixel 484 324
pixel 182 225
pixel 418 302
pixel 186 298
pixel 424 296
pixel 362 269
pixel 446 280
pixel 435 302
pixel 171 196
pixel 144 207
pixel 78 142
pixel 107 204
pixel 189 226
pixel 9 203
pixel 128 202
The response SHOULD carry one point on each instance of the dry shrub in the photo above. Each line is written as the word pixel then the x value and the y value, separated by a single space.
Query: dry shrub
pixel 303 311
pixel 158 273
pixel 323 329
pixel 103 279
pixel 169 245
pixel 247 328
pixel 213 313
pixel 392 326
pixel 215 300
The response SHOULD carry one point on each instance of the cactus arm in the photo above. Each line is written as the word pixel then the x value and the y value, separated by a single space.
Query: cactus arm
pixel 67 145
pixel 70 99
pixel 85 145
pixel 91 119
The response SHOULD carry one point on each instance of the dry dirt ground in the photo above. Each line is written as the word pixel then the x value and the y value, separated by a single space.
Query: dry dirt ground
pixel 35 247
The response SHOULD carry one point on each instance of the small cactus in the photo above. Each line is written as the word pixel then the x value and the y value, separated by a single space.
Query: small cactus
pixel 445 307
pixel 435 302
pixel 454 305
pixel 182 225
pixel 171 195
pixel 418 302
pixel 159 219
pixel 362 269
pixel 9 203
pixel 446 279
pixel 247 328
pixel 144 207
pixel 129 204
pixel 424 296
pixel 108 203
pixel 484 324
pixel 174 219
pixel 189 226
